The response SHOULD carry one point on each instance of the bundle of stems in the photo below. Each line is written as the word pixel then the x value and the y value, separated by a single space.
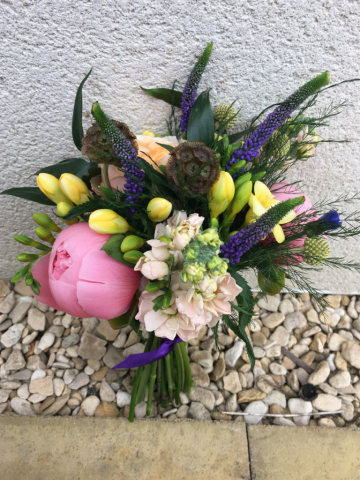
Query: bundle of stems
pixel 172 374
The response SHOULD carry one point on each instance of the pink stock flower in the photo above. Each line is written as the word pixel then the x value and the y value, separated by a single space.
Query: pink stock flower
pixel 79 278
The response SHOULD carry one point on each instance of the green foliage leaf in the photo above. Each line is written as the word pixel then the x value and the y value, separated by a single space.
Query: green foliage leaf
pixel 168 95
pixel 245 310
pixel 34 194
pixel 77 128
pixel 93 171
pixel 112 248
pixel 169 148
pixel 76 166
pixel 201 121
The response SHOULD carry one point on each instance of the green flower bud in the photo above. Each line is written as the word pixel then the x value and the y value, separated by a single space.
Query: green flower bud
pixel 257 176
pixel 30 242
pixel 132 242
pixel 45 234
pixel 29 279
pixel 164 238
pixel 236 167
pixel 241 198
pixel 240 180
pixel 133 256
pixel 20 274
pixel 36 284
pixel 155 286
pixel 191 254
pixel 194 273
pixel 46 222
pixel 27 257
pixel 317 250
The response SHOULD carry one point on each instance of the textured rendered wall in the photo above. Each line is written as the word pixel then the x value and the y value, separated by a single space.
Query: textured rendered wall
pixel 264 49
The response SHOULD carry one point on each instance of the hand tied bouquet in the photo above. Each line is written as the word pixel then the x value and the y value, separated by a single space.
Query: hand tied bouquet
pixel 159 229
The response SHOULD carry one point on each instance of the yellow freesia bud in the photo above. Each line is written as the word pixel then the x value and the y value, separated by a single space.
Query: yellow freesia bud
pixel 45 221
pixel 107 221
pixel 50 186
pixel 45 235
pixel 221 194
pixel 149 134
pixel 132 242
pixel 74 188
pixel 158 209
pixel 62 210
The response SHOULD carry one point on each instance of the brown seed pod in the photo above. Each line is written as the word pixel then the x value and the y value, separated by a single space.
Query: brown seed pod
pixel 96 147
pixel 192 168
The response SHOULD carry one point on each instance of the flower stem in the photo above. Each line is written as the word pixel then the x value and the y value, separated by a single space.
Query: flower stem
pixel 106 175
pixel 137 381
pixel 164 397
pixel 169 376
pixel 152 381
pixel 180 374
pixel 188 377
pixel 159 379
pixel 172 366
pixel 145 378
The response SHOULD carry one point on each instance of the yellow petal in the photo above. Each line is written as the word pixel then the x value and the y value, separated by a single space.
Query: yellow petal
pixel 278 234
pixel 251 200
pixel 288 218
pixel 258 208
pixel 262 193
pixel 250 217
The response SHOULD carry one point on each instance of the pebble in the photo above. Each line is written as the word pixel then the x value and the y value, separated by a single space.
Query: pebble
pixel 219 369
pixel 15 361
pixel 107 410
pixel 299 406
pixel 92 347
pixel 46 341
pixel 8 303
pixel 79 381
pixel 197 411
pixel 36 320
pixel 257 407
pixel 234 353
pixel 107 394
pixel 269 303
pixel 273 320
pixel 280 336
pixel 21 406
pixel 232 382
pixel 59 386
pixel 351 353
pixel 21 309
pixel 206 397
pixel 199 376
pixel 72 339
pixel 23 392
pixel 122 399
pixel 294 320
pixel 320 374
pixel 275 397
pixel 277 369
pixel 203 358
pixel 326 403
pixel 340 380
pixel 12 335
pixel 89 405
pixel 42 386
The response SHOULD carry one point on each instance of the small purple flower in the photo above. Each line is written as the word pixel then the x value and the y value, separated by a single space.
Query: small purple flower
pixel 331 220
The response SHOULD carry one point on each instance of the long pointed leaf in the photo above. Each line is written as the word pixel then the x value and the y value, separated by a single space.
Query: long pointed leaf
pixel 201 121
pixel 172 97
pixel 77 128
pixel 34 194
pixel 76 166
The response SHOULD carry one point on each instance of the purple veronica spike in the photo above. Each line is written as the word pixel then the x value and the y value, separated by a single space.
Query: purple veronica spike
pixel 242 241
pixel 275 119
pixel 124 150
pixel 190 91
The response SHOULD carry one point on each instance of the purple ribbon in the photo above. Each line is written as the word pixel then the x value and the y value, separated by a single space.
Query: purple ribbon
pixel 141 359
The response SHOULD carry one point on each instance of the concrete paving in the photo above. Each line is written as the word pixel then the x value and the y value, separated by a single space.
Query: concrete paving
pixel 304 453
pixel 114 449
pixel 111 449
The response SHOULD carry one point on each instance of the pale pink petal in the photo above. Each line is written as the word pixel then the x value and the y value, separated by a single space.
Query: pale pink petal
pixel 161 253
pixel 164 332
pixel 157 243
pixel 172 324
pixel 186 335
pixel 155 270
pixel 154 320
pixel 229 287
pixel 159 230
pixel 179 242
pixel 146 303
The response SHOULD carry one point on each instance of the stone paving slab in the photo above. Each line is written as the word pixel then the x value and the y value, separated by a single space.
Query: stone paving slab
pixel 304 453
pixel 111 449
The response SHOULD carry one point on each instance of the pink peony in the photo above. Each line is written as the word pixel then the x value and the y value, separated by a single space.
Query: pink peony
pixel 79 278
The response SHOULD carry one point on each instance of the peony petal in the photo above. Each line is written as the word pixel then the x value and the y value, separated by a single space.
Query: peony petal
pixel 40 273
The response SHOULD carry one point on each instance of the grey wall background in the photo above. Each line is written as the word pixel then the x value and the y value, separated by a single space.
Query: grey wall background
pixel 263 51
